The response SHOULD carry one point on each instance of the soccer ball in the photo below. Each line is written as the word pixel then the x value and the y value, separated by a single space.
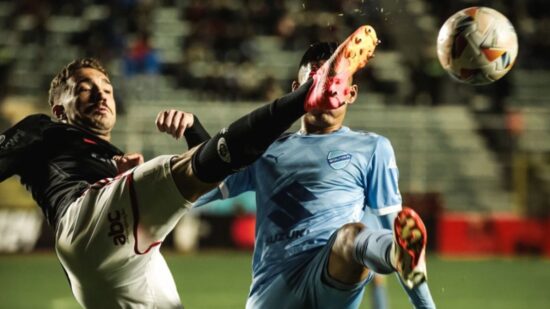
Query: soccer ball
pixel 477 45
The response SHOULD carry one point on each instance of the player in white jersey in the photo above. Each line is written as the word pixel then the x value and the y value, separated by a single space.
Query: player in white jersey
pixel 312 189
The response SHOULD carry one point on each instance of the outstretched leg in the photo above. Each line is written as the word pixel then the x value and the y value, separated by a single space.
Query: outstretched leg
pixel 246 139
pixel 358 249
pixel 241 143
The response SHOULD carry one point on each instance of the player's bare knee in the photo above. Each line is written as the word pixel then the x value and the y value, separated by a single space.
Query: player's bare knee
pixel 344 244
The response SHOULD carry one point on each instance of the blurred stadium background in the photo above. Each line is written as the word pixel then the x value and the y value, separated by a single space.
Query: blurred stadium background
pixel 474 161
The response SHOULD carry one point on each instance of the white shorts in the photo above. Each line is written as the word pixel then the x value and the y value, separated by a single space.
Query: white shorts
pixel 108 240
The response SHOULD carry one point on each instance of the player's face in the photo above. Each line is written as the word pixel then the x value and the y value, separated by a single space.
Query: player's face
pixel 317 121
pixel 88 102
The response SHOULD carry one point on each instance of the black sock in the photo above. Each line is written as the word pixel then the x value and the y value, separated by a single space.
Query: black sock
pixel 246 139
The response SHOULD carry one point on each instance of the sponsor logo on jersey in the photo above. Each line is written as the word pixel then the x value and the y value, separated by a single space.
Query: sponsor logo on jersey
pixel 223 151
pixel 274 158
pixel 2 139
pixel 285 236
pixel 117 227
pixel 338 159
pixel 290 205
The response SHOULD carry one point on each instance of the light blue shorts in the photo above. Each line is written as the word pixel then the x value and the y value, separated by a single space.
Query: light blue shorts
pixel 308 285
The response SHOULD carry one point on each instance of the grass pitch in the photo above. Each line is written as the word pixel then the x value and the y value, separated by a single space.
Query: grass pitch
pixel 213 280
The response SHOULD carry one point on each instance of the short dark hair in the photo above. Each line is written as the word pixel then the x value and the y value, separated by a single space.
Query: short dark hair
pixel 317 52
pixel 60 80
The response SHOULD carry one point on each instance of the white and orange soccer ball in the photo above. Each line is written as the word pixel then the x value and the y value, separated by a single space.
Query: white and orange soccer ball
pixel 477 45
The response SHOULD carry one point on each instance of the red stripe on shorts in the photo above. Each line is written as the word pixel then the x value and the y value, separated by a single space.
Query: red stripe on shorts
pixel 135 210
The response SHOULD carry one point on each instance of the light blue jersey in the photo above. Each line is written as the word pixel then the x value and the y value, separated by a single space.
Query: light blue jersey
pixel 307 187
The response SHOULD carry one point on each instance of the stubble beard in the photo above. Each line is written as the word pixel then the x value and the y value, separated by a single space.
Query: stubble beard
pixel 96 124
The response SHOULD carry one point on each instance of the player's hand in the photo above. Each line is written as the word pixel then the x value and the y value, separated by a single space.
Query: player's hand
pixel 174 122
pixel 128 161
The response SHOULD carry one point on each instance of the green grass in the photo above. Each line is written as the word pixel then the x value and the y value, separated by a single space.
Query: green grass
pixel 221 280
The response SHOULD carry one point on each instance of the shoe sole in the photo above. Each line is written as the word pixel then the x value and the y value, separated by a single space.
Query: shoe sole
pixel 411 237
pixel 350 56
pixel 356 51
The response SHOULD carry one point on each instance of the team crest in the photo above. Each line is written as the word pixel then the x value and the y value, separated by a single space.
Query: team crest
pixel 223 151
pixel 338 159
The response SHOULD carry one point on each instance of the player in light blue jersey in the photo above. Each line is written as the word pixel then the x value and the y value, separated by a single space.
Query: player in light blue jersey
pixel 313 188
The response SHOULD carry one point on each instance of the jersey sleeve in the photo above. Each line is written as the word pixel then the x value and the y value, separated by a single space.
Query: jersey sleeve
pixel 382 194
pixel 8 165
pixel 17 141
pixel 231 186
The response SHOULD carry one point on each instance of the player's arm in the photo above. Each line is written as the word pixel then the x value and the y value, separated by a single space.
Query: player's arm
pixel 231 186
pixel 182 124
pixel 9 160
pixel 419 296
pixel 8 165
pixel 174 122
pixel 196 134
pixel 387 220
pixel 382 196
pixel 128 161
pixel 384 199
pixel 19 140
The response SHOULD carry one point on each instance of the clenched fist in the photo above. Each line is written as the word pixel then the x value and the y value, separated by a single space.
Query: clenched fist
pixel 174 122
pixel 128 161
